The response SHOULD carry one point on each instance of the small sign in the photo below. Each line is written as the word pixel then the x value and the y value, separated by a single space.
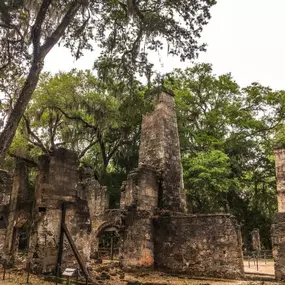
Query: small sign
pixel 69 272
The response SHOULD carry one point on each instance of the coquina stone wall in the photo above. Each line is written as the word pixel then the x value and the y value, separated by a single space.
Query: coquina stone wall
pixel 278 224
pixel 156 231
pixel 57 183
pixel 160 148
pixel 5 191
pixel 199 245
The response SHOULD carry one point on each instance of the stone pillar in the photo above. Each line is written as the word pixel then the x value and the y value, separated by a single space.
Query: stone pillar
pixel 137 240
pixel 138 236
pixel 255 238
pixel 98 202
pixel 129 190
pixel 160 148
pixel 280 178
pixel 148 189
pixel 5 187
pixel 278 225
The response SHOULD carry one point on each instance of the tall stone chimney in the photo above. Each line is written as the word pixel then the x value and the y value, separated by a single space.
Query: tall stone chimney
pixel 280 177
pixel 160 148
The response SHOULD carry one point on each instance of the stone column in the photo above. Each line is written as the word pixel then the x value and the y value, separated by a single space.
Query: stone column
pixel 255 238
pixel 157 184
pixel 278 225
pixel 160 148
pixel 280 178
pixel 138 237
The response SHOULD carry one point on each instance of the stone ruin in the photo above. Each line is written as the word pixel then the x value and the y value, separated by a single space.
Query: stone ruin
pixel 255 240
pixel 278 225
pixel 155 230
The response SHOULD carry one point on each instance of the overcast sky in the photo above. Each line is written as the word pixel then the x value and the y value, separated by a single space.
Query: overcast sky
pixel 244 37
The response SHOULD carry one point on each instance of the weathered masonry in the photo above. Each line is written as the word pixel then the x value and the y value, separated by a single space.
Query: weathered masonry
pixel 152 222
pixel 278 225
pixel 156 230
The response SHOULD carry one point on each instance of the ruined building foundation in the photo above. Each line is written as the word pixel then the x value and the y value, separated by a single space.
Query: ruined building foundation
pixel 155 230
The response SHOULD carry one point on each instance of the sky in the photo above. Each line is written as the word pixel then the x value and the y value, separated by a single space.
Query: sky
pixel 244 37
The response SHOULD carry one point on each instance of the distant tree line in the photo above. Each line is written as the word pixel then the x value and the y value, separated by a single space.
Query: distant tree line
pixel 227 135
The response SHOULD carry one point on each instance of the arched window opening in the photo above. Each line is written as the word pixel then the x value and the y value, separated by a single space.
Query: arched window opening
pixel 109 243
pixel 23 240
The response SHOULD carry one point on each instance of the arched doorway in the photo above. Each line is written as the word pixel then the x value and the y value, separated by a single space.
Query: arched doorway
pixel 108 244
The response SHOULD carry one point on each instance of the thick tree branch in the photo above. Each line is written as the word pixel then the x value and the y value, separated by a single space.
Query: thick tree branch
pixel 9 58
pixel 83 152
pixel 103 150
pixel 78 118
pixel 37 27
pixel 31 133
pixel 25 159
pixel 59 31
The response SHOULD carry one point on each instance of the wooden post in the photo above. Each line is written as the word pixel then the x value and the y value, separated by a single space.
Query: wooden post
pixel 112 245
pixel 28 274
pixel 60 246
pixel 75 251
pixel 257 261
pixel 77 276
pixel 4 272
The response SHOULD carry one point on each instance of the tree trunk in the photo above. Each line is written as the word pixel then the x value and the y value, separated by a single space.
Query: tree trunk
pixel 40 52
pixel 10 128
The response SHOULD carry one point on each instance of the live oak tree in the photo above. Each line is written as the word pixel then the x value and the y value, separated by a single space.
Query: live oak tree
pixel 124 30
pixel 99 121
pixel 227 136
pixel 77 111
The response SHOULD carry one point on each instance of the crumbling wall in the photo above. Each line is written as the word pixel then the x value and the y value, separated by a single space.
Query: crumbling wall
pixel 160 148
pixel 137 233
pixel 278 224
pixel 280 177
pixel 278 244
pixel 199 245
pixel 5 190
pixel 137 249
pixel 97 198
pixel 5 187
pixel 129 190
pixel 57 183
pixel 20 209
pixel 208 245
pixel 79 224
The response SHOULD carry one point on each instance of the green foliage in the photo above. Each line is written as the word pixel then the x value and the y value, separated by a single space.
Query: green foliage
pixel 227 137
pixel 76 110
pixel 206 177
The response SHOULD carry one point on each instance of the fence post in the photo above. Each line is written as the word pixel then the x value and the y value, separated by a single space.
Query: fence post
pixel 57 274
pixel 28 274
pixel 4 272
pixel 77 276
pixel 257 262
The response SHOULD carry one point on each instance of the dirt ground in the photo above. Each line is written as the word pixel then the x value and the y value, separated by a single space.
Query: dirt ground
pixel 113 275
pixel 260 267
pixel 134 279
